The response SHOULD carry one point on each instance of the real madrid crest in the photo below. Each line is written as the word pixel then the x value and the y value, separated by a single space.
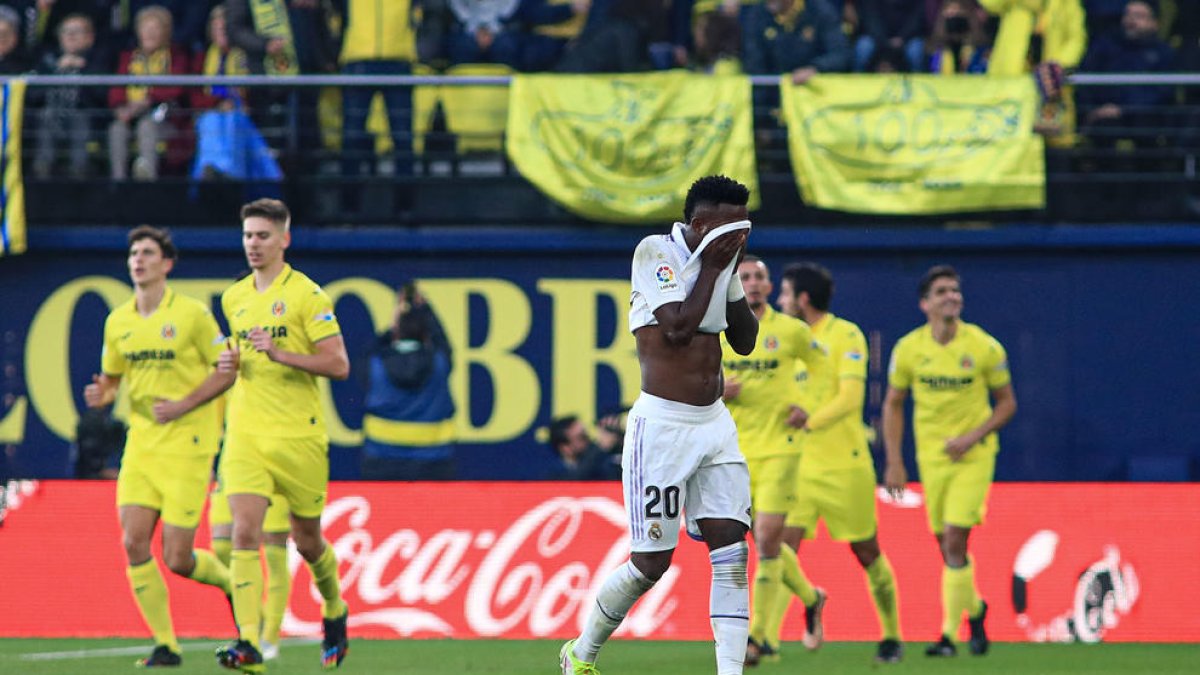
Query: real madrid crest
pixel 655 531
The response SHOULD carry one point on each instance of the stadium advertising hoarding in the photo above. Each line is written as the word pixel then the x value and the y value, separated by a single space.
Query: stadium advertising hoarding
pixel 530 340
pixel 541 332
pixel 1079 562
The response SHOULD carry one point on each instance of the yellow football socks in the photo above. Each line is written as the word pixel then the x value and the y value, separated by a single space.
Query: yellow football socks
pixel 209 570
pixel 246 576
pixel 958 596
pixel 767 588
pixel 798 585
pixel 325 576
pixel 222 548
pixel 279 588
pixel 794 577
pixel 150 592
pixel 881 581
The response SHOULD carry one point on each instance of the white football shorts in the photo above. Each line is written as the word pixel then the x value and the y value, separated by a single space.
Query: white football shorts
pixel 680 457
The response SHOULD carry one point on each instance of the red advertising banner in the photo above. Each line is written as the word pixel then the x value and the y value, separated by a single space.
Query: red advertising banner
pixel 1057 562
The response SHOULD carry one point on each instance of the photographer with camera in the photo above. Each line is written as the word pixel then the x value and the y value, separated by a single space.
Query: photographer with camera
pixel 409 422
pixel 584 458
pixel 958 43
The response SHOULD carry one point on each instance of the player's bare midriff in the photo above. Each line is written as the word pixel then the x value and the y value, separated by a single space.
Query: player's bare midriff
pixel 689 373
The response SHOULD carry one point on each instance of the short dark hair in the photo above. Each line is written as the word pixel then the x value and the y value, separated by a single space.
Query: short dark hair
pixel 811 278
pixel 160 236
pixel 272 209
pixel 714 190
pixel 558 429
pixel 76 16
pixel 413 325
pixel 936 272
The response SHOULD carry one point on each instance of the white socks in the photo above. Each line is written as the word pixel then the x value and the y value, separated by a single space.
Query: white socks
pixel 729 606
pixel 622 588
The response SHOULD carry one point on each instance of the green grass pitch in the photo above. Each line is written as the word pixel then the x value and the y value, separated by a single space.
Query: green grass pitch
pixel 620 657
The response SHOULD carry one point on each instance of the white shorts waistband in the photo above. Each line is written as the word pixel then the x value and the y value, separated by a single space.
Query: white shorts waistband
pixel 651 406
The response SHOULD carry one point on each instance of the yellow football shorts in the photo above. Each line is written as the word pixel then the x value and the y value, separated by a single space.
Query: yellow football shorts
pixel 173 485
pixel 956 493
pixel 296 469
pixel 219 514
pixel 843 498
pixel 773 483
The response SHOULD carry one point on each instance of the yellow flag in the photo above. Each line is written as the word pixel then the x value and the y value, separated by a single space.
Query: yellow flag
pixel 918 144
pixel 627 148
pixel 12 189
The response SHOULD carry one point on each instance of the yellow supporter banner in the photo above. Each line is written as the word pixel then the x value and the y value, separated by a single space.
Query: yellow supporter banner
pixel 920 144
pixel 12 186
pixel 626 148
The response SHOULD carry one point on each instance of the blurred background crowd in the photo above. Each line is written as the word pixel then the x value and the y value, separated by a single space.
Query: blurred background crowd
pixel 144 132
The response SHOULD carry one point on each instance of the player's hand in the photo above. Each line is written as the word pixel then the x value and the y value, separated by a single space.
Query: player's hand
pixel 167 411
pixel 895 479
pixel 797 417
pixel 229 359
pixel 722 251
pixel 262 342
pixel 93 394
pixel 732 389
pixel 957 447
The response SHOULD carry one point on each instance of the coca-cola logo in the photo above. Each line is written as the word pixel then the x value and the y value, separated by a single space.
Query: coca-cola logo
pixel 538 576
pixel 1104 592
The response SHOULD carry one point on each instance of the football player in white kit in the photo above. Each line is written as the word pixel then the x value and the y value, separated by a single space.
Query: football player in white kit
pixel 681 454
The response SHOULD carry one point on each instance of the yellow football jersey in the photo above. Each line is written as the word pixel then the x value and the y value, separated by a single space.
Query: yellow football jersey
pixel 769 388
pixel 843 443
pixel 271 399
pixel 950 386
pixel 164 356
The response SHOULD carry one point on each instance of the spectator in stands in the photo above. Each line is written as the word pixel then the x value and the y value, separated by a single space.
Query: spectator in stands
pixel 66 115
pixel 717 38
pixel 581 457
pixel 409 423
pixel 296 41
pixel 229 145
pixel 1046 38
pixel 1130 111
pixel 793 36
pixel 898 24
pixel 484 31
pixel 379 39
pixel 45 17
pixel 618 35
pixel 12 57
pixel 552 25
pixel 189 19
pixel 1104 16
pixel 957 43
pixel 147 109
pixel 220 58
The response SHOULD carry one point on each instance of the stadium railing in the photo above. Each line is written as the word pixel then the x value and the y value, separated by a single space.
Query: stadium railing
pixel 1140 168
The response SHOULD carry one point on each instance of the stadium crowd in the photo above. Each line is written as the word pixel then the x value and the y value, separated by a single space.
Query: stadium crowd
pixel 164 126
